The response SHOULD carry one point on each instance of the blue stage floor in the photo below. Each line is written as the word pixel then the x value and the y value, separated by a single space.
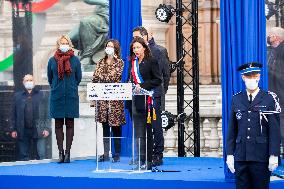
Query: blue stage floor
pixel 194 172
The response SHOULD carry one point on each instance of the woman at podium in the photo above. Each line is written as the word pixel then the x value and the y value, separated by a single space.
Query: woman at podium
pixel 145 74
pixel 110 113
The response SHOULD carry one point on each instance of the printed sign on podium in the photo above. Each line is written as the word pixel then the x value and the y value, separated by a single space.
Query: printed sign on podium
pixel 109 91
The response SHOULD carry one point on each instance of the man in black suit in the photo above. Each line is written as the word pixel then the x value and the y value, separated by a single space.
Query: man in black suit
pixel 158 92
pixel 275 63
pixel 253 140
pixel 26 115
pixel 165 66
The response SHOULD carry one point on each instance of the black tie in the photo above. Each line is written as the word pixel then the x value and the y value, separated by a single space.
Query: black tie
pixel 250 98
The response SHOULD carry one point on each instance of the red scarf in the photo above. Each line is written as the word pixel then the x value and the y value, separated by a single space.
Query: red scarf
pixel 63 62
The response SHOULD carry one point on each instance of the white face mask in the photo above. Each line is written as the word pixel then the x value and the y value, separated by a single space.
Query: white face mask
pixel 251 84
pixel 29 85
pixel 64 48
pixel 109 50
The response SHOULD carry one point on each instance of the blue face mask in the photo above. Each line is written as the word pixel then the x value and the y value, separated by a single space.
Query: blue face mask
pixel 29 85
pixel 64 48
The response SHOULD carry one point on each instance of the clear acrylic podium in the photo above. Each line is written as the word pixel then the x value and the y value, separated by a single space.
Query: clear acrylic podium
pixel 134 148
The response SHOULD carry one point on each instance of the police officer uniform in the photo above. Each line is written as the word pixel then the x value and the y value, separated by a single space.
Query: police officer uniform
pixel 253 134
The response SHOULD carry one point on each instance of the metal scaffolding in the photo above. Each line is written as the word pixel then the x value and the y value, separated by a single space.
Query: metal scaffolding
pixel 187 67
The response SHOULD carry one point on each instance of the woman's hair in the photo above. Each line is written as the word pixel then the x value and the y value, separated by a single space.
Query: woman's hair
pixel 64 37
pixel 147 52
pixel 117 50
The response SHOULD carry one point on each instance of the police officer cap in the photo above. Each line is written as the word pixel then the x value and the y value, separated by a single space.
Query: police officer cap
pixel 249 68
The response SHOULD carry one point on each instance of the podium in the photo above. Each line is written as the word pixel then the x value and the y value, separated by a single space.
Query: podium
pixel 131 162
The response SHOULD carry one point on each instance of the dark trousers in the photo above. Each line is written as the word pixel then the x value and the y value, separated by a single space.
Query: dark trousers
pixel 252 175
pixel 163 102
pixel 27 146
pixel 157 129
pixel 141 128
pixel 282 127
pixel 116 131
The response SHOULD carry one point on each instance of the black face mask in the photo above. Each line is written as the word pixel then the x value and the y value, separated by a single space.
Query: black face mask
pixel 268 40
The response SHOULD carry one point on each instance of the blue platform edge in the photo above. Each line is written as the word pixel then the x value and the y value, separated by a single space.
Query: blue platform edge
pixel 194 172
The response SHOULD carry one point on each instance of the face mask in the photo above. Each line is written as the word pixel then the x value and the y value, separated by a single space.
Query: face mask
pixel 109 50
pixel 64 48
pixel 29 85
pixel 251 84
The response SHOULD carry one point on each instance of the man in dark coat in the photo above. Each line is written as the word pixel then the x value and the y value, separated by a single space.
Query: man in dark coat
pixel 164 66
pixel 26 120
pixel 275 61
pixel 253 140
pixel 158 92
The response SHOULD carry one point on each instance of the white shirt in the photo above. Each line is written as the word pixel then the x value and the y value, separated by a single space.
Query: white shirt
pixel 253 94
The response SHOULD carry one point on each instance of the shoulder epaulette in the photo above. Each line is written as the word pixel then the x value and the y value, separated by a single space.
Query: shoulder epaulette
pixel 237 93
pixel 271 93
pixel 276 100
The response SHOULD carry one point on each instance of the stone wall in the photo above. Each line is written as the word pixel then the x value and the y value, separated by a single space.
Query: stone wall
pixel 209 37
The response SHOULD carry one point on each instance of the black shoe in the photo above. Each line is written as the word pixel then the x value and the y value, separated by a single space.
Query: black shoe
pixel 61 157
pixel 67 157
pixel 157 161
pixel 103 158
pixel 116 158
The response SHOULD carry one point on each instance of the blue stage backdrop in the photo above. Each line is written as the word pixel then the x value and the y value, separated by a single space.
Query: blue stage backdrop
pixel 243 38
pixel 124 16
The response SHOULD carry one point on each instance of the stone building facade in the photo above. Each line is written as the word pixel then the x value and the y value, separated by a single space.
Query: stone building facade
pixel 209 36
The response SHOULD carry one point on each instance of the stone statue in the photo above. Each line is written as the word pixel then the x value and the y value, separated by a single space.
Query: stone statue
pixel 91 35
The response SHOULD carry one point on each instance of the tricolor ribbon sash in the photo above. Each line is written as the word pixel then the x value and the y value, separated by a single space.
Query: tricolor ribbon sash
pixel 150 104
pixel 137 78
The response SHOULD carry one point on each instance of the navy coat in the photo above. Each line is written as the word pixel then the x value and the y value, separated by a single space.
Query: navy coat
pixel 64 98
pixel 18 116
pixel 162 57
pixel 159 58
pixel 247 140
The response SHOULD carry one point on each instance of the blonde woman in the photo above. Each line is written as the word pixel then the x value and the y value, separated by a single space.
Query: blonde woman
pixel 64 75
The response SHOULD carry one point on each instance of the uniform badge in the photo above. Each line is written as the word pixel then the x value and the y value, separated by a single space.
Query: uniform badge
pixel 239 115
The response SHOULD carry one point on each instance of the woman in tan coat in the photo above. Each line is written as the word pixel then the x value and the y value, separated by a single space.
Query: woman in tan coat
pixel 110 113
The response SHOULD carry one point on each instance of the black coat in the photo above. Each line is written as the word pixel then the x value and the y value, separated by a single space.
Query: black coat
pixel 275 61
pixel 161 55
pixel 276 71
pixel 18 109
pixel 149 70
pixel 247 140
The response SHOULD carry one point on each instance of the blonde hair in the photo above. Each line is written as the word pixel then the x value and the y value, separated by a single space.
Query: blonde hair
pixel 64 37
pixel 277 31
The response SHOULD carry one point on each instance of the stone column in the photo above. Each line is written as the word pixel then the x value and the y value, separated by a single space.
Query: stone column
pixel 214 141
pixel 170 143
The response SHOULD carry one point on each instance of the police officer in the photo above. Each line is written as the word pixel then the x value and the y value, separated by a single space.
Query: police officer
pixel 253 141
